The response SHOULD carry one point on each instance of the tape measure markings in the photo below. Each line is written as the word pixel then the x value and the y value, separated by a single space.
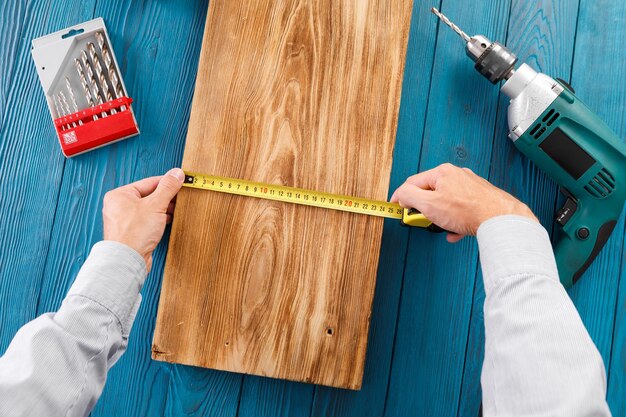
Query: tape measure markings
pixel 293 195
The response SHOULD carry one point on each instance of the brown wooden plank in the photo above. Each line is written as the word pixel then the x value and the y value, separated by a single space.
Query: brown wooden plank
pixel 305 94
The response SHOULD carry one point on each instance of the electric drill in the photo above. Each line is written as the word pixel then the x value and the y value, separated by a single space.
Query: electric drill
pixel 565 139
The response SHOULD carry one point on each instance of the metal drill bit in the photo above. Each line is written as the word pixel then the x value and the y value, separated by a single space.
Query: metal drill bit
pixel 65 106
pixel 454 27
pixel 493 60
pixel 100 39
pixel 58 109
pixel 116 82
pixel 104 84
pixel 110 67
pixel 83 83
pixel 70 91
pixel 91 79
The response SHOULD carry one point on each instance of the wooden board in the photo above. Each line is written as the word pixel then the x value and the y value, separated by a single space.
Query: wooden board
pixel 305 94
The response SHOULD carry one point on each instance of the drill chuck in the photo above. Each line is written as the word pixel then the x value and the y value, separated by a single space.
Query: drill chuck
pixel 493 60
pixel 496 63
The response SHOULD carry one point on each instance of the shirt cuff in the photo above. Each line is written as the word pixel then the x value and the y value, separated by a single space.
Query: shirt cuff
pixel 112 276
pixel 513 245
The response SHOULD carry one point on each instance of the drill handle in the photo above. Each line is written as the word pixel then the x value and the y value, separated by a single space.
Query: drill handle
pixel 574 254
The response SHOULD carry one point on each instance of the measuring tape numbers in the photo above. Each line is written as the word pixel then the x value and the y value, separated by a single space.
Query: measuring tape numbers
pixel 304 197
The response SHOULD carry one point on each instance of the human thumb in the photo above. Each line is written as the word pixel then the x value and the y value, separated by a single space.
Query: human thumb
pixel 168 187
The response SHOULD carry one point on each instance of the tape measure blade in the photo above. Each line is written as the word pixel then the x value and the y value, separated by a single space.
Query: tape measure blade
pixel 293 195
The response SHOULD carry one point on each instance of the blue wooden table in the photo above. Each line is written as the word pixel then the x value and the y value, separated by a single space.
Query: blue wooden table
pixel 426 341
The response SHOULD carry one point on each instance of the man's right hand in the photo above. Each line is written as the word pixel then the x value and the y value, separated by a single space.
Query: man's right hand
pixel 457 200
pixel 136 214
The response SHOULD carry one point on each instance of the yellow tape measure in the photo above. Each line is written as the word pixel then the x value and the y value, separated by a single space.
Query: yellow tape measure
pixel 409 217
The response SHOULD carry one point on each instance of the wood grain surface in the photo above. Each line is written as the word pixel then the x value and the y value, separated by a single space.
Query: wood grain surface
pixel 299 93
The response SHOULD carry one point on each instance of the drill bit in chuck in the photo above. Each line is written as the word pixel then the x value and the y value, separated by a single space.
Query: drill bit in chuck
pixel 447 21
pixel 493 60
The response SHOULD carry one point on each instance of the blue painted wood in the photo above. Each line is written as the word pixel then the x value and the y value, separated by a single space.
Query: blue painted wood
pixel 274 397
pixel 28 145
pixel 158 62
pixel 426 310
pixel 439 278
pixel 202 392
pixel 12 21
pixel 617 364
pixel 596 296
pixel 542 35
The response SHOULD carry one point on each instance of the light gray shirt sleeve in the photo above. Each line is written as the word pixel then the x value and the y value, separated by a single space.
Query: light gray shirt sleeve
pixel 539 358
pixel 56 365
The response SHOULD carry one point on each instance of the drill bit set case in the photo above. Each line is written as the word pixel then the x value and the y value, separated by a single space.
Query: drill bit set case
pixel 82 82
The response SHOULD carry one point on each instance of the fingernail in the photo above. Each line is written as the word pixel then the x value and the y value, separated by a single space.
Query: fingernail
pixel 177 173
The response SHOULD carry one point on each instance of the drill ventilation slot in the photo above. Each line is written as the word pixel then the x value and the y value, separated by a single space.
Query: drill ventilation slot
pixel 549 120
pixel 552 119
pixel 602 185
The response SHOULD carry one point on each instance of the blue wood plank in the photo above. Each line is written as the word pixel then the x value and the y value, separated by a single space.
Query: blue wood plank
pixel 274 397
pixel 12 21
pixel 158 61
pixel 542 35
pixel 616 371
pixel 595 295
pixel 604 92
pixel 439 277
pixel 31 163
pixel 370 401
pixel 202 392
pixel 471 392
